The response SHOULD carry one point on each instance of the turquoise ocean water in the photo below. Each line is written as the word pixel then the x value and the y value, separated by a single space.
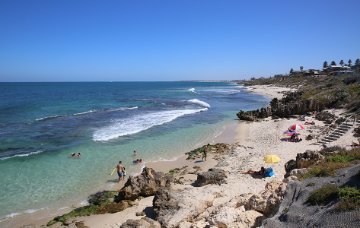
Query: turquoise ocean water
pixel 42 123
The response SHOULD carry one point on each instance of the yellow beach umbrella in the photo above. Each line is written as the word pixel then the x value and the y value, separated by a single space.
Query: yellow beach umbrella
pixel 271 158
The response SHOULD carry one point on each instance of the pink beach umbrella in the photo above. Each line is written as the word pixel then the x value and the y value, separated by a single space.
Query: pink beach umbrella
pixel 296 127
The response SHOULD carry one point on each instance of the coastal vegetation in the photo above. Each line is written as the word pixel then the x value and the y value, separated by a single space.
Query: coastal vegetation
pixel 333 161
pixel 99 203
pixel 313 93
pixel 346 198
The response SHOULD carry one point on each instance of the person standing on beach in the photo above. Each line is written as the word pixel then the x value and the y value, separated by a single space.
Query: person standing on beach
pixel 205 152
pixel 120 170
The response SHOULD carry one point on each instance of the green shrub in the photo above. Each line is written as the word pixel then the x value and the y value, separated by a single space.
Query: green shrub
pixel 323 170
pixel 339 158
pixel 349 199
pixel 350 192
pixel 323 195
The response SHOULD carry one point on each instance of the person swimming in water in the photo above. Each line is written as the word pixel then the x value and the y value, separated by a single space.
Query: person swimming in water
pixel 75 155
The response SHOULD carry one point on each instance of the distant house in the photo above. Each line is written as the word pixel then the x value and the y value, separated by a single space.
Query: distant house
pixel 309 72
pixel 356 68
pixel 338 70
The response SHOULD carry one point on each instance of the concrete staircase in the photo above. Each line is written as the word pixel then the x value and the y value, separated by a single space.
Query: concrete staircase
pixel 340 130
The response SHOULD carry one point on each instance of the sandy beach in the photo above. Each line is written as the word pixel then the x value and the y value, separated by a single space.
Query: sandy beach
pixel 250 143
pixel 254 141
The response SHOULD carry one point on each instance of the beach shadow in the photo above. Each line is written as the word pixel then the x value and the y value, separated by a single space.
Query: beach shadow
pixel 149 212
pixel 255 176
pixel 284 139
pixel 112 181
pixel 198 161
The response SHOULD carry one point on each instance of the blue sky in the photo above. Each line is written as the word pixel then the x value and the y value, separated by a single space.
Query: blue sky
pixel 172 39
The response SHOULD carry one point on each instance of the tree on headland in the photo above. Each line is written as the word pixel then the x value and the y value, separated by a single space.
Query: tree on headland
pixel 325 64
pixel 341 62
pixel 357 62
pixel 291 70
pixel 301 68
pixel 349 62
pixel 333 63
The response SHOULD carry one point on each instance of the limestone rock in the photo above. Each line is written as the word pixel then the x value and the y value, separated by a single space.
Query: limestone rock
pixel 249 219
pixel 141 223
pixel 308 158
pixel 213 176
pixel 143 185
pixel 268 201
pixel 297 172
pixel 243 199
pixel 164 204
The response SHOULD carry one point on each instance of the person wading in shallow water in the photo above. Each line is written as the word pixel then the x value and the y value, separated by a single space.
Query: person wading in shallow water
pixel 120 171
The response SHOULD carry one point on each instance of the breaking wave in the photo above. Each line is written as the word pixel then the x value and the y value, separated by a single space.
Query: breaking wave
pixel 22 155
pixel 192 90
pixel 199 102
pixel 139 123
pixel 86 112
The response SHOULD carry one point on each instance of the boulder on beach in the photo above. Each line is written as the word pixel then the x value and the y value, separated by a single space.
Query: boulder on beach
pixel 212 176
pixel 144 185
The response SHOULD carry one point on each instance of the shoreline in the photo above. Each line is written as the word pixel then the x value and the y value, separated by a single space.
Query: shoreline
pixel 253 140
pixel 40 216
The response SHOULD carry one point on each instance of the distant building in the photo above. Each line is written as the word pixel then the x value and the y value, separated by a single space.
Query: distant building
pixel 309 72
pixel 356 68
pixel 338 70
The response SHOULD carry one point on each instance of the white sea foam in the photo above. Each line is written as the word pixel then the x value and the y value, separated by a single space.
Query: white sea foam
pixel 30 211
pixel 86 112
pixel 84 203
pixel 224 91
pixel 122 109
pixel 138 123
pixel 82 113
pixel 22 155
pixel 192 90
pixel 47 117
pixel 199 102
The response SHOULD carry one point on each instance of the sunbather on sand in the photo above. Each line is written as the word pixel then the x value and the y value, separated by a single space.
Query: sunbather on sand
pixel 261 172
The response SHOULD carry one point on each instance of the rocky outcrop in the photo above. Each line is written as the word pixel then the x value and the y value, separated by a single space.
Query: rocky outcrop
pixel 165 205
pixel 212 176
pixel 294 211
pixel 308 158
pixel 143 185
pixel 303 160
pixel 267 201
pixel 254 115
pixel 325 116
pixel 143 223
pixel 217 149
pixel 291 104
